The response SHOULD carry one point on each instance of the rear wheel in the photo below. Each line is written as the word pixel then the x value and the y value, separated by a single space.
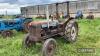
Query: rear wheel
pixel 71 32
pixel 49 47
pixel 7 33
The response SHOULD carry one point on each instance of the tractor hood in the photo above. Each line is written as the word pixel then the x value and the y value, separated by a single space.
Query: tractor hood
pixel 38 22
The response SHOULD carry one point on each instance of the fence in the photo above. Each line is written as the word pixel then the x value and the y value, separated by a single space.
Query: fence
pixel 85 6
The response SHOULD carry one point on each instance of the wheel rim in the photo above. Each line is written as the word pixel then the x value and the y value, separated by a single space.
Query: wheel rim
pixel 73 33
pixel 8 34
pixel 50 49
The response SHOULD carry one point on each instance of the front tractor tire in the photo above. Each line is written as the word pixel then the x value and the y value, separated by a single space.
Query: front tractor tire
pixel 27 42
pixel 71 31
pixel 49 47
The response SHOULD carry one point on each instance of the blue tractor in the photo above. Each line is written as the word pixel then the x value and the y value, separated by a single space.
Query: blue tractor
pixel 18 24
pixel 79 14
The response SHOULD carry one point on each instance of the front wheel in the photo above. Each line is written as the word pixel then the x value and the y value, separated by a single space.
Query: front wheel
pixel 71 32
pixel 27 42
pixel 49 47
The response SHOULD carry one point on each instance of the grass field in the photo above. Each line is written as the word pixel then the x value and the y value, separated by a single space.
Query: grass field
pixel 89 37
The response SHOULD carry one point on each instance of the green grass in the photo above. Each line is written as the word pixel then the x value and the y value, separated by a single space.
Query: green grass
pixel 89 37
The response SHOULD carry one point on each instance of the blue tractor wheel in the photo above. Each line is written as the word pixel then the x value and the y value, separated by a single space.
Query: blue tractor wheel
pixel 7 33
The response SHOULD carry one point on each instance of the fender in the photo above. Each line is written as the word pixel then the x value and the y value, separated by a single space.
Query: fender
pixel 71 19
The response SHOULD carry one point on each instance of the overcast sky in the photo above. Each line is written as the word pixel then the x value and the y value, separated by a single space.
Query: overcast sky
pixel 13 6
pixel 31 1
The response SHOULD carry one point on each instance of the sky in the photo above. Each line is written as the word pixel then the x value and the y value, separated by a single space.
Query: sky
pixel 31 1
pixel 13 6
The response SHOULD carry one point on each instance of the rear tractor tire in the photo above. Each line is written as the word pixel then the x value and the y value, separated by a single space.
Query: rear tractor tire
pixel 71 31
